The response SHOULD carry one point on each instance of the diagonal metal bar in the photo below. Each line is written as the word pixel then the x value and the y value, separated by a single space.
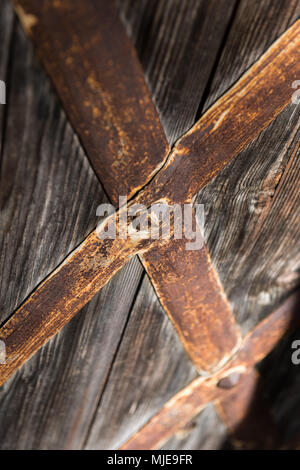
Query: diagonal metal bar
pixel 186 404
pixel 94 67
pixel 234 121
pixel 168 185
pixel 192 295
pixel 59 297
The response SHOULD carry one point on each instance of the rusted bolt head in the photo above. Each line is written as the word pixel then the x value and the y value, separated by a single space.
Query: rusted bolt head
pixel 229 381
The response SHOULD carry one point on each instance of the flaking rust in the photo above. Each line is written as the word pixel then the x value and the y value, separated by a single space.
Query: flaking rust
pixel 200 312
pixel 105 95
pixel 61 295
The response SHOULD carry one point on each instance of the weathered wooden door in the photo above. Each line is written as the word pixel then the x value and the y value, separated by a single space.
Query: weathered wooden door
pixel 178 101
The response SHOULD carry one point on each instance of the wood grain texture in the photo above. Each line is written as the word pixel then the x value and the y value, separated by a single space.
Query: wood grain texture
pixel 42 176
pixel 45 430
pixel 50 402
pixel 202 164
pixel 60 296
pixel 174 415
pixel 255 26
pixel 248 197
pixel 264 337
pixel 44 215
pixel 41 324
pixel 188 403
pixel 235 119
pixel 104 94
pixel 141 379
pixel 274 52
pixel 252 221
pixel 196 158
pixel 158 49
pixel 177 42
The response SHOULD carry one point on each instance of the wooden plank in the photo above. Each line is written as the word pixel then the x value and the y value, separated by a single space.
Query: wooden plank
pixel 255 26
pixel 240 53
pixel 120 414
pixel 141 379
pixel 162 287
pixel 50 402
pixel 29 90
pixel 253 30
pixel 188 403
pixel 49 421
pixel 196 158
pixel 60 296
pixel 264 337
pixel 248 182
pixel 252 221
pixel 174 415
pixel 174 172
pixel 104 95
pixel 242 84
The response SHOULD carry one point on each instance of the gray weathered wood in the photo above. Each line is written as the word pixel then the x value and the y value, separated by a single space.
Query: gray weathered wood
pixel 146 19
pixel 257 270
pixel 150 367
pixel 252 221
pixel 256 25
pixel 177 42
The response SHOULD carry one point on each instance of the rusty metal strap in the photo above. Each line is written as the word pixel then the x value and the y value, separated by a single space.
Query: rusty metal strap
pixel 237 378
